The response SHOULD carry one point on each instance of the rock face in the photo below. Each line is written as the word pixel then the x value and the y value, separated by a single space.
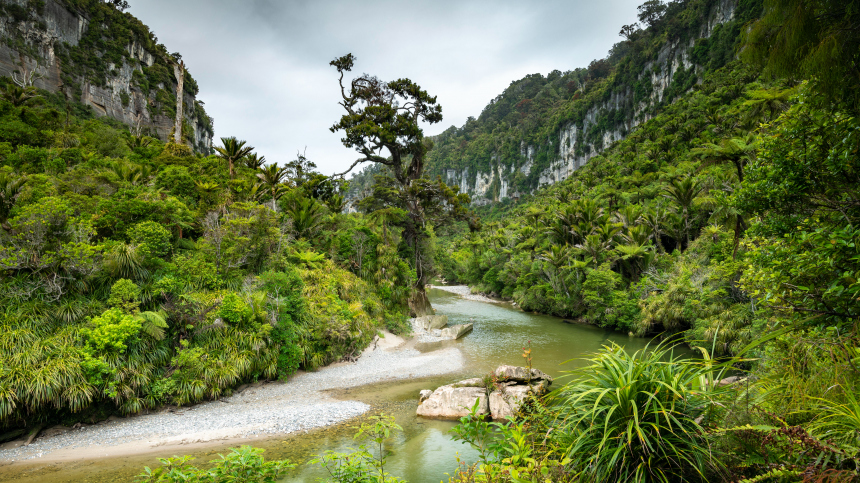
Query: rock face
pixel 456 331
pixel 501 401
pixel 456 400
pixel 35 42
pixel 572 146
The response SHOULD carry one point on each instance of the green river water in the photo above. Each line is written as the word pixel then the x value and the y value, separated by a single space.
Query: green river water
pixel 423 452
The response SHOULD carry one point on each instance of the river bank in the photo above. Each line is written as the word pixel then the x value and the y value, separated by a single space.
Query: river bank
pixel 261 410
pixel 465 292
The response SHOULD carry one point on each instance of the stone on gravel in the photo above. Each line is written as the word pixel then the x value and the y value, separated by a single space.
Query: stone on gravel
pixel 456 331
pixel 433 322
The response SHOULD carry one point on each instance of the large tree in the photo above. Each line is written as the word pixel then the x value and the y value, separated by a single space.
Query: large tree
pixel 810 39
pixel 382 123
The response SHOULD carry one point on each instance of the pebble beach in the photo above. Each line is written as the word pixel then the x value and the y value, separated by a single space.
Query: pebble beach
pixel 300 404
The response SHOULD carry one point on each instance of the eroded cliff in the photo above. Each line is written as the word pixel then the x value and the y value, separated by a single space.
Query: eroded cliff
pixel 542 129
pixel 103 58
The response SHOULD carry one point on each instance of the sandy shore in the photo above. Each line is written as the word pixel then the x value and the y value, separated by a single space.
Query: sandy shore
pixel 261 410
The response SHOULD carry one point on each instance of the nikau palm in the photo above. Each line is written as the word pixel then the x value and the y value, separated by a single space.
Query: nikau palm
pixel 272 176
pixel 232 150
pixel 684 193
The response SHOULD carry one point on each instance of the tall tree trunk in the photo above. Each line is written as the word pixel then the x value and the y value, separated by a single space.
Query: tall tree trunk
pixel 179 72
pixel 419 304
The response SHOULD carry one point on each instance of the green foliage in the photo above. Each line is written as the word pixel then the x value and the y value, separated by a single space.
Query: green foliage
pixel 632 417
pixel 369 126
pixel 153 239
pixel 817 40
pixel 124 295
pixel 112 331
pixel 95 218
pixel 361 465
pixel 245 464
pixel 235 311
pixel 606 305
pixel 177 180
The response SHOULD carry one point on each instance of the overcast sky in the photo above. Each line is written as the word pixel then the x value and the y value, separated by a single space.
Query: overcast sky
pixel 262 65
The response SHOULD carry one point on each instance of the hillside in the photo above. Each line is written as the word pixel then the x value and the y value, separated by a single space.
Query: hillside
pixel 98 56
pixel 542 129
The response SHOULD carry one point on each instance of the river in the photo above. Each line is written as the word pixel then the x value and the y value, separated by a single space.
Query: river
pixel 423 452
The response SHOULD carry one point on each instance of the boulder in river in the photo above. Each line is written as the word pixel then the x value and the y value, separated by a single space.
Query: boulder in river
pixel 507 398
pixel 520 374
pixel 502 400
pixel 456 331
pixel 456 400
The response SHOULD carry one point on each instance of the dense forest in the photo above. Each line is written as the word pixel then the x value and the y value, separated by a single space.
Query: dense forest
pixel 520 129
pixel 138 273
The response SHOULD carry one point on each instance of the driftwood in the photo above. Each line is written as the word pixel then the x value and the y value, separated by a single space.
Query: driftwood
pixel 34 433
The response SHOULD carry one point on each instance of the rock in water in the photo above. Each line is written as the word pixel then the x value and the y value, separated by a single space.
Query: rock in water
pixel 506 401
pixel 423 395
pixel 520 374
pixel 455 400
pixel 456 331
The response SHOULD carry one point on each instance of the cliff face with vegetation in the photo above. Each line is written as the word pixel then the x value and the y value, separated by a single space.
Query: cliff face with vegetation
pixel 542 129
pixel 106 59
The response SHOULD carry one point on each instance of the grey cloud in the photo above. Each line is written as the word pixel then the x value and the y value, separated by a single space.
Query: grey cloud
pixel 262 65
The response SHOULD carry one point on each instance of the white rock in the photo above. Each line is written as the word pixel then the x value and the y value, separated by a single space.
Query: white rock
pixel 456 331
pixel 505 402
pixel 455 401
pixel 520 374
pixel 432 322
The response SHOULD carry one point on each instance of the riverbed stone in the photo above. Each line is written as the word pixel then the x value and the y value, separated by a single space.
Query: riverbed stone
pixel 520 374
pixel 434 322
pixel 424 394
pixel 455 401
pixel 730 380
pixel 506 401
pixel 456 331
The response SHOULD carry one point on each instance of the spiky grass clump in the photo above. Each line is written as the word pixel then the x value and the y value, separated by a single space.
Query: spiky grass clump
pixel 632 417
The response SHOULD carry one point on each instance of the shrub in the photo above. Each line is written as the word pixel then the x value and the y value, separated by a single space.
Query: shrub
pixel 153 238
pixel 124 295
pixel 245 464
pixel 176 180
pixel 632 417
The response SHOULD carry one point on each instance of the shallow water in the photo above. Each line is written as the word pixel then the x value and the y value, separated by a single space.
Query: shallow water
pixel 423 452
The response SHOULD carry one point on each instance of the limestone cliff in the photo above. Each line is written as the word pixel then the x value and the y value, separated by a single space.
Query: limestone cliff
pixel 103 58
pixel 542 129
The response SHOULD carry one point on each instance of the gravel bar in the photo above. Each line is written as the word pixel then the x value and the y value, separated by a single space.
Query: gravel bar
pixel 273 408
pixel 465 292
